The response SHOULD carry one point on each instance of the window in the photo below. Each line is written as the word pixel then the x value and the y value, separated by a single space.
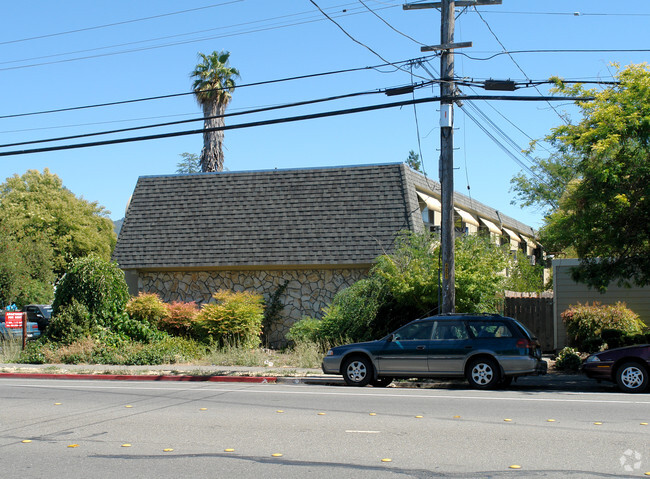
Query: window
pixel 414 331
pixel 450 330
pixel 490 329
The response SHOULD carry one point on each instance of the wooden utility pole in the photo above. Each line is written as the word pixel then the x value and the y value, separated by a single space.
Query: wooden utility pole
pixel 447 91
pixel 447 159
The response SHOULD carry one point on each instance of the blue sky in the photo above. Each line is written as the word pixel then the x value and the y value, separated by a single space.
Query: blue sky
pixel 274 39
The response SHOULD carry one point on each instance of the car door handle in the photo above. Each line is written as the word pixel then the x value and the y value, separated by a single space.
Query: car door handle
pixel 419 348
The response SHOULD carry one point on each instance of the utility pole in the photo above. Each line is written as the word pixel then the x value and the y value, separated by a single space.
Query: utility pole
pixel 447 91
pixel 447 159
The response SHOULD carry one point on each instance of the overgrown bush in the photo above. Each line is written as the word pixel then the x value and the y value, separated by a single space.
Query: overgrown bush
pixel 307 330
pixel 126 327
pixel 180 319
pixel 568 360
pixel 70 323
pixel 584 322
pixel 353 311
pixel 147 308
pixel 236 318
pixel 97 284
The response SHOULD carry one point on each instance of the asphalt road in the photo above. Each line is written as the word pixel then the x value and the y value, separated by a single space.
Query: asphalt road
pixel 94 429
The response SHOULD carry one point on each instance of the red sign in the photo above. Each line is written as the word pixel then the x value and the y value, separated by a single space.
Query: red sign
pixel 13 320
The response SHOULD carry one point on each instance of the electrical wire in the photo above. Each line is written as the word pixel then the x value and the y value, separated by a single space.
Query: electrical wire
pixel 354 39
pixel 185 42
pixel 173 95
pixel 389 25
pixel 515 62
pixel 97 27
pixel 347 111
pixel 179 122
pixel 275 121
pixel 569 50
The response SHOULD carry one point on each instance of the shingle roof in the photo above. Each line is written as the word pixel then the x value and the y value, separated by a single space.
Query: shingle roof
pixel 321 216
pixel 325 216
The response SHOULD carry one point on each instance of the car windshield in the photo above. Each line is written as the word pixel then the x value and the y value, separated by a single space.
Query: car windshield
pixel 47 311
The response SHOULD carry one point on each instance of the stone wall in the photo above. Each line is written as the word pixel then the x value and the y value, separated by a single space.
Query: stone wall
pixel 307 293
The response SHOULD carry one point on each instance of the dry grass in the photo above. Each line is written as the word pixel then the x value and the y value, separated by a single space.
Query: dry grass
pixel 10 350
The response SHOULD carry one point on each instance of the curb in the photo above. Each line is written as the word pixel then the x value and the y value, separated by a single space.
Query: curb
pixel 131 377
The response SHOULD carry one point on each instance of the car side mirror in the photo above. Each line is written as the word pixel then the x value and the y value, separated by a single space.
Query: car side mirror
pixel 390 338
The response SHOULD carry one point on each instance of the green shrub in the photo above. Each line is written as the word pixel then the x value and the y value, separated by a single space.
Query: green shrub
pixel 180 319
pixel 147 308
pixel 33 353
pixel 236 319
pixel 70 323
pixel 353 311
pixel 97 284
pixel 592 345
pixel 584 321
pixel 612 337
pixel 128 328
pixel 307 330
pixel 568 360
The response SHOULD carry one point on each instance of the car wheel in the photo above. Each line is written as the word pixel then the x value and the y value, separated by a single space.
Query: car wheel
pixel 483 373
pixel 632 377
pixel 381 382
pixel 357 371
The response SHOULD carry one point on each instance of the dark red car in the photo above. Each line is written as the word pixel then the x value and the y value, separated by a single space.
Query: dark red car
pixel 628 367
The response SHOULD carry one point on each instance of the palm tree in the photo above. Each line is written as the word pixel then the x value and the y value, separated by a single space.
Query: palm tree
pixel 213 84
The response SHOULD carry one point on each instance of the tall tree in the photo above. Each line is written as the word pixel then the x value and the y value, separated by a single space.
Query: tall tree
pixel 190 163
pixel 605 213
pixel 47 227
pixel 414 161
pixel 214 82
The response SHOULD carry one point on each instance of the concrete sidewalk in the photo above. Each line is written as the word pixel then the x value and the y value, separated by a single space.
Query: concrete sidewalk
pixel 553 381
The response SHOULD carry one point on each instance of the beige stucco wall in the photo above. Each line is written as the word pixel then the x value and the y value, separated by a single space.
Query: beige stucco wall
pixel 307 293
pixel 567 292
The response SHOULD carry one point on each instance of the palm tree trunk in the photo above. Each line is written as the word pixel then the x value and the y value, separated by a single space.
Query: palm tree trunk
pixel 212 153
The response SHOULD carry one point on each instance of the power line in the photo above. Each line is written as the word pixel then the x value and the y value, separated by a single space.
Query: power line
pixel 354 39
pixel 569 50
pixel 192 120
pixel 173 95
pixel 389 25
pixel 515 61
pixel 97 27
pixel 573 14
pixel 225 127
pixel 185 42
pixel 276 121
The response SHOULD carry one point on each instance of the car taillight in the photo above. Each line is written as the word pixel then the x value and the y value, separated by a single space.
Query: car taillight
pixel 524 344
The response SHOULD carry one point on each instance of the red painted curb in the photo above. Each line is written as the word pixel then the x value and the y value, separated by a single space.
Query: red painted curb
pixel 130 377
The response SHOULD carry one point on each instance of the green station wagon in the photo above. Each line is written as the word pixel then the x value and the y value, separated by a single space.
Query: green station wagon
pixel 487 350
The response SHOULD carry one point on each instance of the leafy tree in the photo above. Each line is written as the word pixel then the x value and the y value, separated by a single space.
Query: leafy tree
pixel 524 276
pixel 414 161
pixel 96 284
pixel 25 270
pixel 544 189
pixel 605 214
pixel 214 81
pixel 43 227
pixel 189 164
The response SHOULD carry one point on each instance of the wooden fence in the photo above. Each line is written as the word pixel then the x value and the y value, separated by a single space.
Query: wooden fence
pixel 535 311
